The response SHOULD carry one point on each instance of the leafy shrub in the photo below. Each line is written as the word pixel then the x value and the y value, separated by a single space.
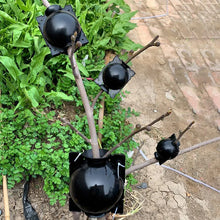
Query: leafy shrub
pixel 29 76
pixel 34 143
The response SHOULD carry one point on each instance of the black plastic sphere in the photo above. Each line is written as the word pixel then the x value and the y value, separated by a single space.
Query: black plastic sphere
pixel 51 9
pixel 166 149
pixel 59 27
pixel 115 76
pixel 95 187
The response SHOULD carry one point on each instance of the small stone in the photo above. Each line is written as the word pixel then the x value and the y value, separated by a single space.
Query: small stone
pixel 155 110
pixel 169 96
pixel 142 186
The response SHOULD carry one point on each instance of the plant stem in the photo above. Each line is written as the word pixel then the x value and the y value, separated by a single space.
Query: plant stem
pixel 75 130
pixel 183 132
pixel 46 3
pixel 151 44
pixel 153 160
pixel 108 57
pixel 96 98
pixel 101 116
pixel 137 130
pixel 85 100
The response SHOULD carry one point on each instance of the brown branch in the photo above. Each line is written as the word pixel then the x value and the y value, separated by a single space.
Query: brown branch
pixel 151 44
pixel 153 160
pixel 108 56
pixel 96 98
pixel 183 132
pixel 137 130
pixel 75 130
pixel 46 3
pixel 101 116
pixel 85 100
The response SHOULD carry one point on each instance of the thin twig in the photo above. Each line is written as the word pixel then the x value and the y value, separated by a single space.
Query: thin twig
pixel 183 132
pixel 46 3
pixel 108 57
pixel 151 44
pixel 137 130
pixel 96 98
pixel 153 160
pixel 85 100
pixel 101 116
pixel 75 130
pixel 139 149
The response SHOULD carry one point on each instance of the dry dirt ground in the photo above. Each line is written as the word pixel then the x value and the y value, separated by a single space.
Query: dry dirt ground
pixel 183 74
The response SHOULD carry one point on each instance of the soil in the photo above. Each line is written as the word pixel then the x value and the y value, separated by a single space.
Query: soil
pixel 161 74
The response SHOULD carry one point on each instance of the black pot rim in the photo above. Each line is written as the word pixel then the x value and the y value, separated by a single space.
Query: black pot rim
pixel 88 154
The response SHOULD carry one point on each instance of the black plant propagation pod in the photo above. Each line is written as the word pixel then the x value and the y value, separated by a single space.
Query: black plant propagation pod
pixel 96 184
pixel 167 149
pixel 57 26
pixel 114 76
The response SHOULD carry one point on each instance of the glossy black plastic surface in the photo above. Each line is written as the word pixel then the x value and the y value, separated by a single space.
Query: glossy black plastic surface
pixel 167 149
pixel 115 76
pixel 51 9
pixel 59 27
pixel 96 186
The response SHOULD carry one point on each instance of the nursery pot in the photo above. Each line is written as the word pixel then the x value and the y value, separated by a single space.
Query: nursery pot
pixel 96 185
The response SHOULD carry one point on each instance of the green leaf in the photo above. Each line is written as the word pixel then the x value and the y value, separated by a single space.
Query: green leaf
pixel 16 35
pixel 78 7
pixel 11 67
pixel 3 50
pixel 104 42
pixel 37 63
pixel 118 29
pixel 33 96
pixel 82 69
pixel 6 17
pixel 60 95
pixel 21 5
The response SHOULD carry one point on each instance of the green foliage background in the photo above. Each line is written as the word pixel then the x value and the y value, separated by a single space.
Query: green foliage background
pixel 32 141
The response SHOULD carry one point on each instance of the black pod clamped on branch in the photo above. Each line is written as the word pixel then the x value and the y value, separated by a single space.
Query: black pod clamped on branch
pixel 167 149
pixel 114 76
pixel 57 26
pixel 96 184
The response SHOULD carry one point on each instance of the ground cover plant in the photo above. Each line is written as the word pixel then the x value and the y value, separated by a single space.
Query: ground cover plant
pixel 34 140
pixel 33 83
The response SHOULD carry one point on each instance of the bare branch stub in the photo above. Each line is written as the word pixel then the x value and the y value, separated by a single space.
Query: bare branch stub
pixel 96 98
pixel 153 160
pixel 181 133
pixel 151 44
pixel 137 130
pixel 65 121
